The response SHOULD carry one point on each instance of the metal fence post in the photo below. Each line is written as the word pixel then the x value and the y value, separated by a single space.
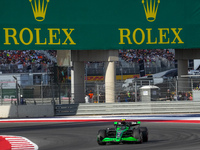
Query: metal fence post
pixel 86 76
pixel 135 90
pixel 98 93
pixel 191 83
pixel 52 88
pixel 177 88
pixel 59 93
pixel 42 92
pixel 17 94
pixel 69 95
pixel 1 94
pixel 121 70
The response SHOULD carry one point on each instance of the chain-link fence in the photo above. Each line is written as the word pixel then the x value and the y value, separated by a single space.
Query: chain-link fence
pixel 132 90
pixel 150 89
pixel 37 94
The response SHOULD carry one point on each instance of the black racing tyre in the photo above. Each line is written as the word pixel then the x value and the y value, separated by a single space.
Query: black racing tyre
pixel 145 133
pixel 100 136
pixel 138 135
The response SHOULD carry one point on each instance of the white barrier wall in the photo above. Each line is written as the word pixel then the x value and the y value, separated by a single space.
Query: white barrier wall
pixel 132 108
pixel 22 111
pixel 196 95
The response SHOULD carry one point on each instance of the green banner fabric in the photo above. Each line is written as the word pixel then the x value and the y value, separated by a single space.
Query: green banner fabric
pixel 99 24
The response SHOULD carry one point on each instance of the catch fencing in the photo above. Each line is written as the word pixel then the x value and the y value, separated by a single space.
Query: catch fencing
pixel 169 89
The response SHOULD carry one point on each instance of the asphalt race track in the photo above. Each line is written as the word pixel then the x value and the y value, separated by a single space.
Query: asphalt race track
pixel 82 135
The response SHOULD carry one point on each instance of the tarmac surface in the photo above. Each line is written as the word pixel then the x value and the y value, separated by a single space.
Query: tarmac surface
pixel 83 135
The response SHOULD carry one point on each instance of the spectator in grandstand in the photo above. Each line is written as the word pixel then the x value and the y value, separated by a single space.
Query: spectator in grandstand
pixel 23 57
pixel 168 95
pixel 118 98
pixel 190 97
pixel 133 96
pixel 39 67
pixel 132 56
pixel 186 96
pixel 175 97
pixel 180 97
pixel 128 96
pixel 52 52
pixel 101 97
pixel 122 96
pixel 91 95
pixel 87 98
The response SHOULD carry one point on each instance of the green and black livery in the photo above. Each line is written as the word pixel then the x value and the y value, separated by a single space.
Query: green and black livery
pixel 124 132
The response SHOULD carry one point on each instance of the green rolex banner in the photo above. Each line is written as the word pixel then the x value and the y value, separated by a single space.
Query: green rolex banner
pixel 99 24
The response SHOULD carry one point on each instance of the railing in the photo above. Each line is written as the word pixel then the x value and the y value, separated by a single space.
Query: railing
pixel 42 68
pixel 131 68
pixel 23 68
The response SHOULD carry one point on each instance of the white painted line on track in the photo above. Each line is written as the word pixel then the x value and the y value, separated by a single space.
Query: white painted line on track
pixel 180 119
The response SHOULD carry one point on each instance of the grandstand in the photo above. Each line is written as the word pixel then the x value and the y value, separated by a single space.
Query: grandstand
pixel 25 61
pixel 34 61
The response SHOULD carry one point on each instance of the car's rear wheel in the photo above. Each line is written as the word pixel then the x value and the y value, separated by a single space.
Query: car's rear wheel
pixel 138 135
pixel 145 133
pixel 100 136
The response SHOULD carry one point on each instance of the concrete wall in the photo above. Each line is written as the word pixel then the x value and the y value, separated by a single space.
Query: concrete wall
pixel 22 111
pixel 97 55
pixel 187 53
pixel 132 108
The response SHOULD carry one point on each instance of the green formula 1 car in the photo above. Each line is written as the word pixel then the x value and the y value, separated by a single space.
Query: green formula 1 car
pixel 124 132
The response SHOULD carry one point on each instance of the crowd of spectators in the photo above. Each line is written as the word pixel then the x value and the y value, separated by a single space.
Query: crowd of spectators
pixel 35 56
pixel 52 52
pixel 23 57
pixel 17 61
pixel 182 96
pixel 133 56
